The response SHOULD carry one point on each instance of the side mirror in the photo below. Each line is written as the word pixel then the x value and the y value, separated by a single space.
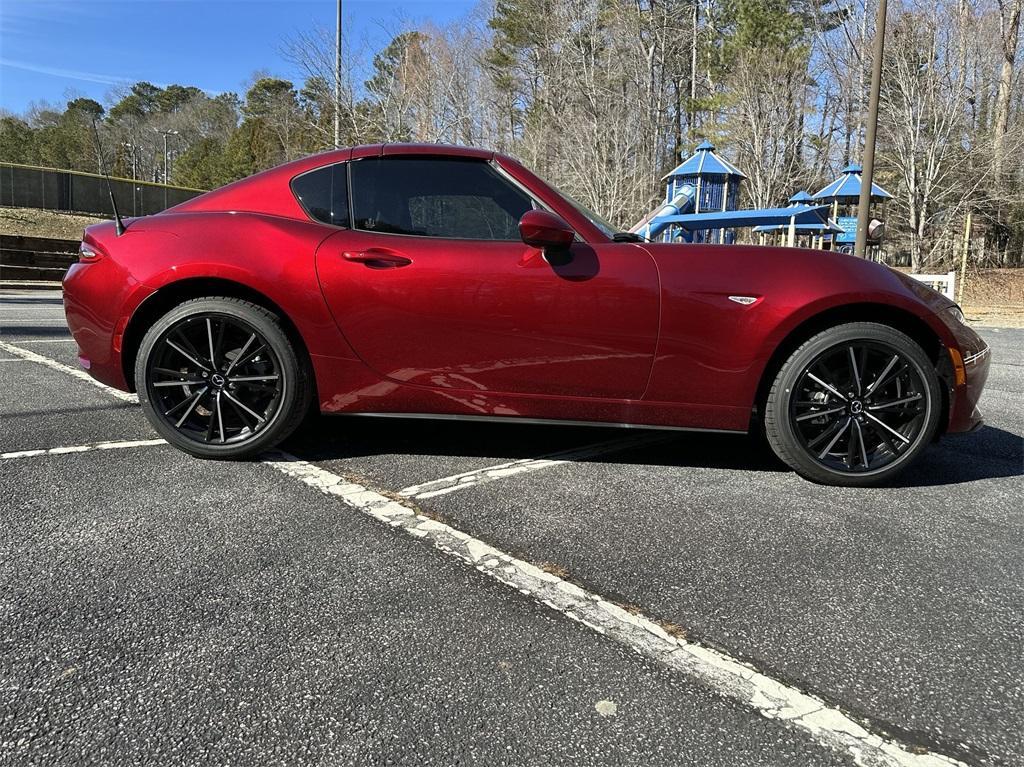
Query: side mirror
pixel 541 229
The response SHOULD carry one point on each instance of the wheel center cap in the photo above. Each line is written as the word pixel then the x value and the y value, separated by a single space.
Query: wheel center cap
pixel 856 407
pixel 218 380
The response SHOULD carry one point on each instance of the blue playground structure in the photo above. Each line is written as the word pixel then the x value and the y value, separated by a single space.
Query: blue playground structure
pixel 843 194
pixel 812 234
pixel 715 185
pixel 702 194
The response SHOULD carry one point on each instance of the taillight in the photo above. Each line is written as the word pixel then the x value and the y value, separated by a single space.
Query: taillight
pixel 87 253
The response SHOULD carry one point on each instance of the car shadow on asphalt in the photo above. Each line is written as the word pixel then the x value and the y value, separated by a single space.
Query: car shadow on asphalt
pixel 15 333
pixel 30 301
pixel 327 438
pixel 988 453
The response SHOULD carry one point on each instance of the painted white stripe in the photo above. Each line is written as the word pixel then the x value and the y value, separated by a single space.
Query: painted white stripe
pixel 726 675
pixel 487 474
pixel 47 321
pixel 82 448
pixel 16 359
pixel 54 365
pixel 68 340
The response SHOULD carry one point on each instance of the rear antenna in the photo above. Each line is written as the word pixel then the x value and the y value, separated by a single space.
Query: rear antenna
pixel 118 223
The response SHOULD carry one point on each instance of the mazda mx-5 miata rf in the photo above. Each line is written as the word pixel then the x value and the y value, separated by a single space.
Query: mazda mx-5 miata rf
pixel 423 280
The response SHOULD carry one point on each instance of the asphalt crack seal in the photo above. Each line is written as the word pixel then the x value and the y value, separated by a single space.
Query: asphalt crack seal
pixel 729 677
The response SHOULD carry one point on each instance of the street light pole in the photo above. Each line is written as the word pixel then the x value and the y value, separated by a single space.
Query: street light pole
pixel 165 134
pixel 337 81
pixel 868 165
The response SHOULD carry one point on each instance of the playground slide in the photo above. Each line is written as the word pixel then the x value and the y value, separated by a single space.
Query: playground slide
pixel 650 227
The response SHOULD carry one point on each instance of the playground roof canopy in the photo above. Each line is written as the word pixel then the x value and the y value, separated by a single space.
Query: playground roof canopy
pixel 706 162
pixel 846 188
pixel 800 214
pixel 801 197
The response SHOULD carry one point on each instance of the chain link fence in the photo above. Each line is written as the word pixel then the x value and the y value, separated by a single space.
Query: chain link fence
pixel 26 186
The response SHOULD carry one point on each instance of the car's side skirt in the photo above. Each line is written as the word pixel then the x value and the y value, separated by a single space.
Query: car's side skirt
pixel 536 421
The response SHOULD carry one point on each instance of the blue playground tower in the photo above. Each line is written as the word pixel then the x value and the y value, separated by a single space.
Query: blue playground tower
pixel 715 184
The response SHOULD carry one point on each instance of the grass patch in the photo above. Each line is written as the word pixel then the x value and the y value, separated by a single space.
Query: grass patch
pixel 32 222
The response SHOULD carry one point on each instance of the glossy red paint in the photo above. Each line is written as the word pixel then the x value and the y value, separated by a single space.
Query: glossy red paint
pixel 541 229
pixel 628 333
pixel 495 317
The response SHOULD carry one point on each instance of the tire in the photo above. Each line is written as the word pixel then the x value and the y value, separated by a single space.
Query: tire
pixel 251 396
pixel 853 406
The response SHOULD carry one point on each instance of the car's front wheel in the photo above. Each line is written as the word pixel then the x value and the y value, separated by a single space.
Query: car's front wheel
pixel 219 378
pixel 854 405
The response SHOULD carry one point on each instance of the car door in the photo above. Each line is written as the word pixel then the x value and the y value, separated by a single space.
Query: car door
pixel 432 287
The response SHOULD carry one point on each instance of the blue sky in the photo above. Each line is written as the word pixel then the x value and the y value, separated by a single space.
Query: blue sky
pixel 55 49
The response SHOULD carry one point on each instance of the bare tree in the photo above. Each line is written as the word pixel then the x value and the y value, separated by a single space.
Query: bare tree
pixel 762 122
pixel 1009 34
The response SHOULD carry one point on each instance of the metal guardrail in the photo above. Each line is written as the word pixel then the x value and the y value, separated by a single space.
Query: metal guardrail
pixel 69 191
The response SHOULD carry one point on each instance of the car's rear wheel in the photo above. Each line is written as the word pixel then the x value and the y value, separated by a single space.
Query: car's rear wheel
pixel 220 378
pixel 854 405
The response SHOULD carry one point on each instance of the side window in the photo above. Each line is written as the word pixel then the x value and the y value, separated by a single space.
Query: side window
pixel 448 197
pixel 323 194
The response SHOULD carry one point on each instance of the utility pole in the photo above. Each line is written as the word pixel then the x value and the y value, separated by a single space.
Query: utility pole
pixel 337 81
pixel 868 169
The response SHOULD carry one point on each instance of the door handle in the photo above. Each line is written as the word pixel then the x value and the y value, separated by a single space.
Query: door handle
pixel 377 259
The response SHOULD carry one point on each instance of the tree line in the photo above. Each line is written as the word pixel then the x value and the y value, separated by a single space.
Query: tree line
pixel 603 97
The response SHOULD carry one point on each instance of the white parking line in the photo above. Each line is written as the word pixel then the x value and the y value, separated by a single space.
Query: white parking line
pixel 82 448
pixel 487 474
pixel 68 340
pixel 54 365
pixel 726 675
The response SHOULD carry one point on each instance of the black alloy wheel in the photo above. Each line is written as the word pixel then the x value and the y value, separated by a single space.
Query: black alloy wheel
pixel 858 406
pixel 225 393
pixel 853 405
pixel 219 378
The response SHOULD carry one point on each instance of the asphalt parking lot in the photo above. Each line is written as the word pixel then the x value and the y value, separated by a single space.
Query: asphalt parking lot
pixel 410 592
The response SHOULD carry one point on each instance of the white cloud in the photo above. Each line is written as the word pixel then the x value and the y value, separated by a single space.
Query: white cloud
pixel 71 74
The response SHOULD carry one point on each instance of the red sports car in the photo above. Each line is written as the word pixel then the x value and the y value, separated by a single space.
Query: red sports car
pixel 411 280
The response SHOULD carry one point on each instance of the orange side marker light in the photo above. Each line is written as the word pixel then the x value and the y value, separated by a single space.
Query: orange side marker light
pixel 959 371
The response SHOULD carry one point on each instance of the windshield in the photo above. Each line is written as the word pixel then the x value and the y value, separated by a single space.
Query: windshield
pixel 595 219
pixel 606 228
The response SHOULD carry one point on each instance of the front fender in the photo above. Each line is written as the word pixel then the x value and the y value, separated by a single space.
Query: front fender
pixel 715 350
